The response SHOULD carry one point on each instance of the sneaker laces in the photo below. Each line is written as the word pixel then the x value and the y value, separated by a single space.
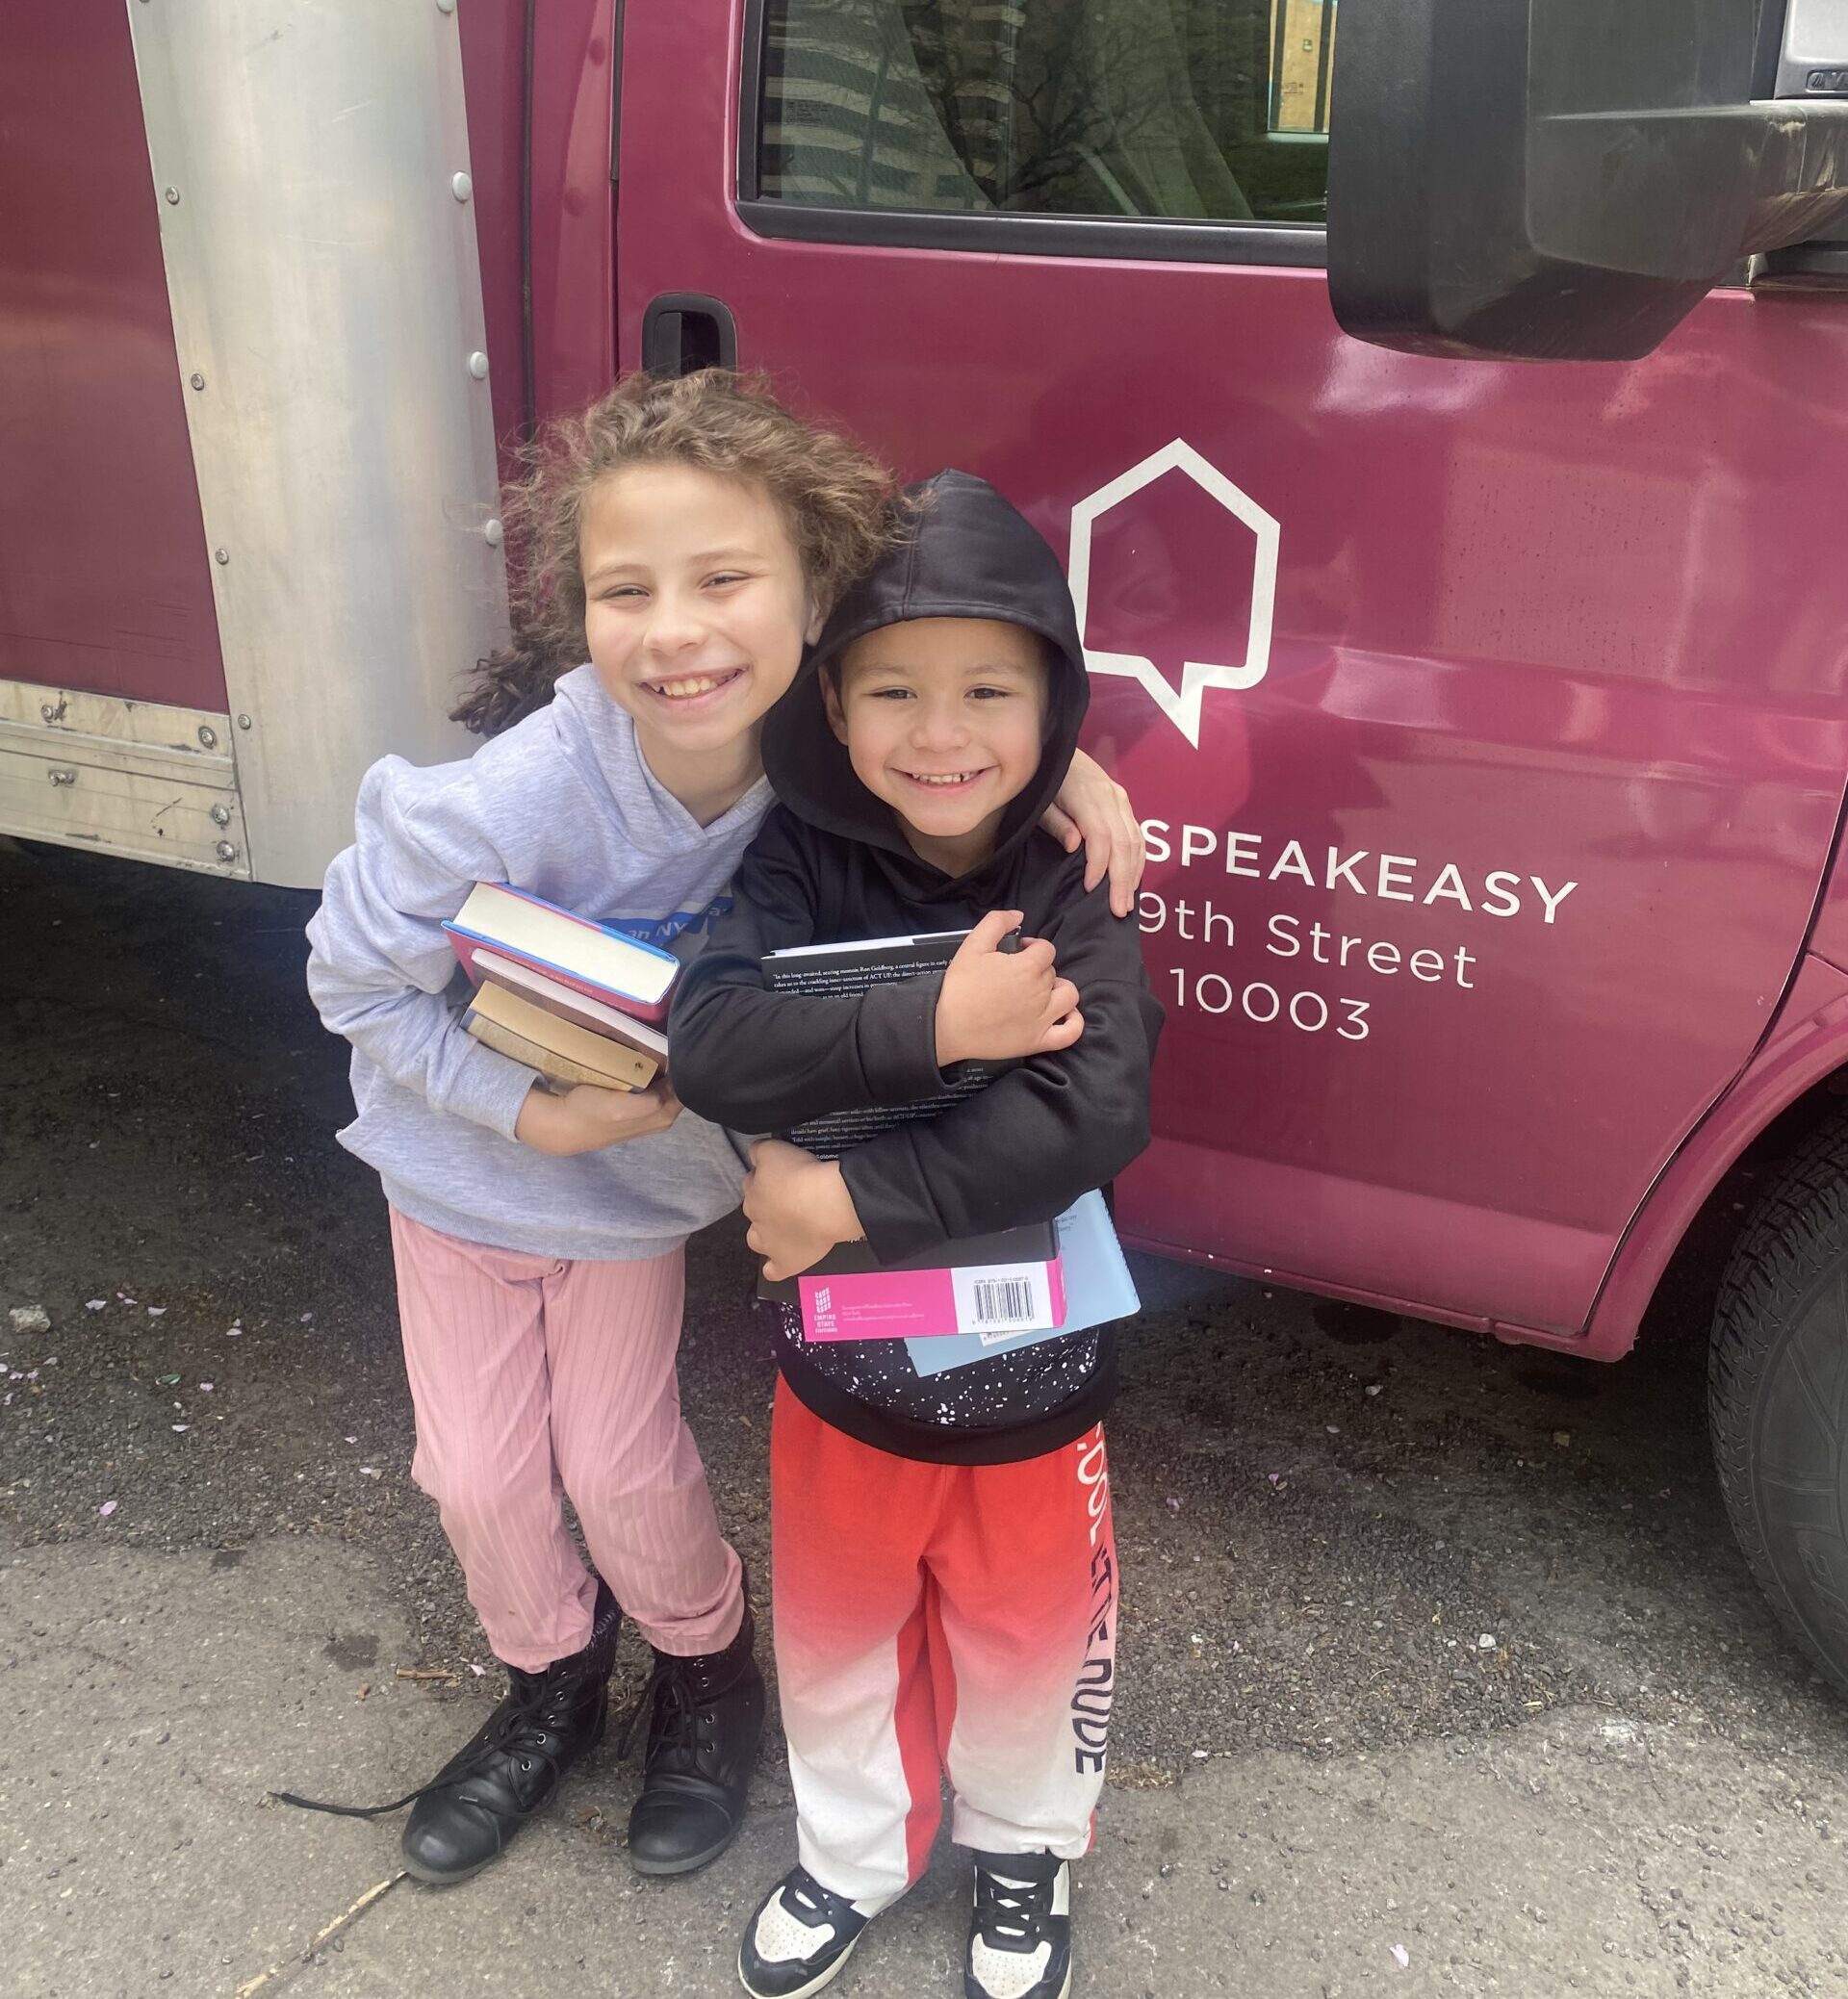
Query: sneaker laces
pixel 1010 1916
pixel 798 1919
pixel 802 1891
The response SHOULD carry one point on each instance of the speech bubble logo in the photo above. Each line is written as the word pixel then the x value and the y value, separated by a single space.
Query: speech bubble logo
pixel 1181 705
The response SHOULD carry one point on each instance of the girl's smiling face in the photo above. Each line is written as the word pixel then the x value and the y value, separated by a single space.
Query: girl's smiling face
pixel 695 609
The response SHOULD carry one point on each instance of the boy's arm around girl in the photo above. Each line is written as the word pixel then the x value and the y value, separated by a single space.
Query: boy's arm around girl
pixel 1045 1131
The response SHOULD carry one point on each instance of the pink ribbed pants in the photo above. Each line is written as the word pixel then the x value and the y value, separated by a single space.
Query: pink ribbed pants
pixel 535 1378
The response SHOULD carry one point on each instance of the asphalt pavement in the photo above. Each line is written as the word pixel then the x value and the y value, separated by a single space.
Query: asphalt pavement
pixel 1438 1673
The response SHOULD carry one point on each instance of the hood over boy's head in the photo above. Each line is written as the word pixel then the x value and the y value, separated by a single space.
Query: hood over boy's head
pixel 954 669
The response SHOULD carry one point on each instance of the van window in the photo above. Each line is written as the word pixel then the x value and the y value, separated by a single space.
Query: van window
pixel 1180 110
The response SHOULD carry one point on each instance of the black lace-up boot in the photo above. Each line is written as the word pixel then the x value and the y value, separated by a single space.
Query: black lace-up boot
pixel 511 1768
pixel 704 1716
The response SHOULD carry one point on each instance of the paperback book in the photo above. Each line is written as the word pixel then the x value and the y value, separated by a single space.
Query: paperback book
pixel 1096 1284
pixel 559 1049
pixel 1011 1279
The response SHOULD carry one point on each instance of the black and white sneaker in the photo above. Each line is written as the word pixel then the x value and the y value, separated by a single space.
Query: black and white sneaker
pixel 799 1938
pixel 1020 1935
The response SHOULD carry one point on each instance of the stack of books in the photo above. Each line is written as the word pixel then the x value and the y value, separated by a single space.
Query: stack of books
pixel 962 1299
pixel 573 1001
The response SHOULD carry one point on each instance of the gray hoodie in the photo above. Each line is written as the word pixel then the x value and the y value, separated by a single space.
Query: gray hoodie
pixel 565 807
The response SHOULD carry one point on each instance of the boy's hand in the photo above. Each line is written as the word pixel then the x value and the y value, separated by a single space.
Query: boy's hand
pixel 798 1207
pixel 586 1119
pixel 1093 810
pixel 994 1005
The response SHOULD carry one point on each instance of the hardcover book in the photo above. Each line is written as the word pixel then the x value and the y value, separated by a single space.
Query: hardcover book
pixel 594 959
pixel 826 970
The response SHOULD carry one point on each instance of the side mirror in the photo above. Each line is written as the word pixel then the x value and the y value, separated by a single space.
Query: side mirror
pixel 1563 179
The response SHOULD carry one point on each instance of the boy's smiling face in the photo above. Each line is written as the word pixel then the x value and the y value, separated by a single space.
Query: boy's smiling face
pixel 944 720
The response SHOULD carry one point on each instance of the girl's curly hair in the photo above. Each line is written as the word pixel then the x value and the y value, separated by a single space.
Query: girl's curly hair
pixel 839 504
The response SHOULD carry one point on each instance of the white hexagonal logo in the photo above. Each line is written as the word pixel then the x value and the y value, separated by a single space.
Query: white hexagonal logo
pixel 1181 705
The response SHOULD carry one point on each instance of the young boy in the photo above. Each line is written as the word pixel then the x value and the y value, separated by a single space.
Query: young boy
pixel 944 1576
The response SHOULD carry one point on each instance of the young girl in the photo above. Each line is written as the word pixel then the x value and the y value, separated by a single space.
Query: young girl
pixel 689 535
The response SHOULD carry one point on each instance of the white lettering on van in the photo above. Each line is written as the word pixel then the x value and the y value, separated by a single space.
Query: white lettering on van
pixel 1394 877
pixel 1551 900
pixel 1293 860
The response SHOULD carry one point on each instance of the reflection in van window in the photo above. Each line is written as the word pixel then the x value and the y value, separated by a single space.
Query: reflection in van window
pixel 1197 110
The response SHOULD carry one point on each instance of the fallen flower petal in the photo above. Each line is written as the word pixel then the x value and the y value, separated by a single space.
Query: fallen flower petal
pixel 107 1508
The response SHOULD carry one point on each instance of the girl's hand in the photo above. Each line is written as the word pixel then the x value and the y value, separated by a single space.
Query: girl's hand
pixel 1093 810
pixel 994 1005
pixel 798 1207
pixel 586 1119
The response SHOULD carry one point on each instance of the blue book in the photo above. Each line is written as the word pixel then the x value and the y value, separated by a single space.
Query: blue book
pixel 1098 1289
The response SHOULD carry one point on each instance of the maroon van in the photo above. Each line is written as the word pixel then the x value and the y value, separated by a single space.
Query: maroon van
pixel 1488 717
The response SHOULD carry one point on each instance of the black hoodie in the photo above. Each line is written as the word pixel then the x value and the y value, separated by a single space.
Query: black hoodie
pixel 832 865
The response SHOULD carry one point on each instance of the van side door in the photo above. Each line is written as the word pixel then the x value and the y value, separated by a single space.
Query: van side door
pixel 1487 721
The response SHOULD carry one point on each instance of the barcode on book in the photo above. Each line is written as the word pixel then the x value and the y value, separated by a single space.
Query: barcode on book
pixel 995 1299
pixel 1001 1301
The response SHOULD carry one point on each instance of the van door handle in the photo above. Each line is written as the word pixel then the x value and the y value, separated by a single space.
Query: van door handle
pixel 686 331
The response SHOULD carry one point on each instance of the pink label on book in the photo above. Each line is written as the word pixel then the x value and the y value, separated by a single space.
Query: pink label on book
pixel 878 1305
pixel 932 1304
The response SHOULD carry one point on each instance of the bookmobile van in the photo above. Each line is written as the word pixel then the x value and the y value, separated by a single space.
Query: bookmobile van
pixel 1488 716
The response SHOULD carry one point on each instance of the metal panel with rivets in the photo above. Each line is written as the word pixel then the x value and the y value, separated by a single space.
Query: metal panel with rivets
pixel 316 222
pixel 140 778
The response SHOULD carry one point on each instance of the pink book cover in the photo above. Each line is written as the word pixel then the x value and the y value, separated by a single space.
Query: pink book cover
pixel 931 1304
pixel 467 942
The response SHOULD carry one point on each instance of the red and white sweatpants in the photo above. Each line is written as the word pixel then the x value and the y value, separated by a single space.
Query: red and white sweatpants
pixel 933 1621
pixel 534 1378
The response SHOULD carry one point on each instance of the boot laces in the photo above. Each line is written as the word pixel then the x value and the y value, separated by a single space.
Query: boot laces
pixel 528 1725
pixel 675 1735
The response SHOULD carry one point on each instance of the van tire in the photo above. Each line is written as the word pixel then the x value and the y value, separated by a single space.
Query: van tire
pixel 1778 1397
